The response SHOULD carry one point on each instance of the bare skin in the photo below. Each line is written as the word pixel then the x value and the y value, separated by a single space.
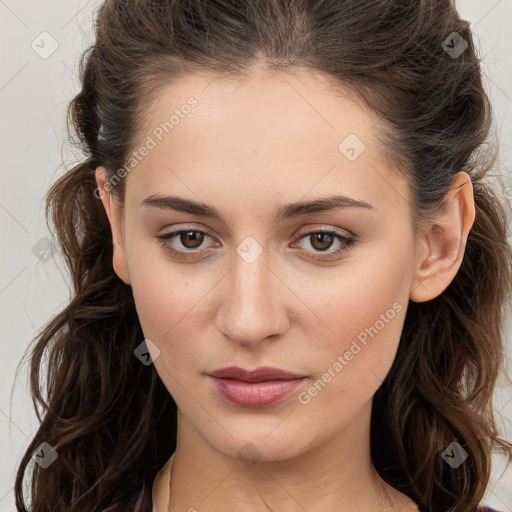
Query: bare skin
pixel 250 146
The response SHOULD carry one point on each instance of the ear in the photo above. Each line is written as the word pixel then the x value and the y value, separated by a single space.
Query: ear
pixel 114 211
pixel 441 247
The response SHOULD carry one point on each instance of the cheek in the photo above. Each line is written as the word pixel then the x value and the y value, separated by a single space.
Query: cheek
pixel 369 310
pixel 163 292
pixel 351 366
pixel 172 308
pixel 165 307
pixel 169 309
pixel 362 312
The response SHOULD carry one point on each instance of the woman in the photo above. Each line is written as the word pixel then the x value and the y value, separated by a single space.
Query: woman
pixel 289 271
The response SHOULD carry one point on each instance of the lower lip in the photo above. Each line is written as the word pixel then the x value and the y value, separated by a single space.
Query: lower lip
pixel 255 394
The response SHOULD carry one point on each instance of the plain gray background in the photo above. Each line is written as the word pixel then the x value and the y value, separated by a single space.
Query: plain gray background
pixel 41 43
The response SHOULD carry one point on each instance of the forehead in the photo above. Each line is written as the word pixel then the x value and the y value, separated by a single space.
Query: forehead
pixel 300 100
pixel 292 130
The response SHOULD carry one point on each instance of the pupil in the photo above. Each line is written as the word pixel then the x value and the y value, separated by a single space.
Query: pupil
pixel 196 239
pixel 322 237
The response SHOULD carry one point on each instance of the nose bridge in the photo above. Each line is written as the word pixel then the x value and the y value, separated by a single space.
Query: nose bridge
pixel 252 308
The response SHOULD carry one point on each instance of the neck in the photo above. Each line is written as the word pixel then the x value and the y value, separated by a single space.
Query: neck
pixel 334 476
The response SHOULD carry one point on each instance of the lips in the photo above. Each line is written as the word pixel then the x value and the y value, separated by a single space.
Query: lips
pixel 261 387
pixel 261 374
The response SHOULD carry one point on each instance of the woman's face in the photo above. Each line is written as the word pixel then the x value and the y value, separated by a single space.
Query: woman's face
pixel 251 286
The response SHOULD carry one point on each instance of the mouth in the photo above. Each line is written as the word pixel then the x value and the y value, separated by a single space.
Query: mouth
pixel 261 387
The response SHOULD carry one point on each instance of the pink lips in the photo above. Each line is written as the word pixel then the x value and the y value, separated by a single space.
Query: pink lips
pixel 261 387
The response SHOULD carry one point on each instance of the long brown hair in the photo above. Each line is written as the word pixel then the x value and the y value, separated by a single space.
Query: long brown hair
pixel 109 418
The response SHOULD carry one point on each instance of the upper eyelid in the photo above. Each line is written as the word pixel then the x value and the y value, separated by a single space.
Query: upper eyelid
pixel 339 231
pixel 174 232
pixel 319 227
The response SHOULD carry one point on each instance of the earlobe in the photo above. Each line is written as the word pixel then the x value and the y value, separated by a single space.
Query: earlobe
pixel 441 247
pixel 115 217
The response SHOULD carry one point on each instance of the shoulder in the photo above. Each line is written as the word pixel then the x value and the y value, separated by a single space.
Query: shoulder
pixel 487 509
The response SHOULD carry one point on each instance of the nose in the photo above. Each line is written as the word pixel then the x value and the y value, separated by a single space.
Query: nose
pixel 254 303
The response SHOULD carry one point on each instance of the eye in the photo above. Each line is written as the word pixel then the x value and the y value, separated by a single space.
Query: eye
pixel 320 240
pixel 190 239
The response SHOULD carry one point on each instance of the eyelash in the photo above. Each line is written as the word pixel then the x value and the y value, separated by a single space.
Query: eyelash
pixel 346 242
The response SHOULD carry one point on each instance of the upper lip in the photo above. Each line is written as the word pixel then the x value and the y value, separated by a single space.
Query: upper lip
pixel 261 374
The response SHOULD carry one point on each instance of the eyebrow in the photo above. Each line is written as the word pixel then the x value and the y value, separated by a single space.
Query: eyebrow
pixel 284 212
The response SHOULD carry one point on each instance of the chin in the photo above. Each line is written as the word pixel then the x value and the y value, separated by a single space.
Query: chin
pixel 251 443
